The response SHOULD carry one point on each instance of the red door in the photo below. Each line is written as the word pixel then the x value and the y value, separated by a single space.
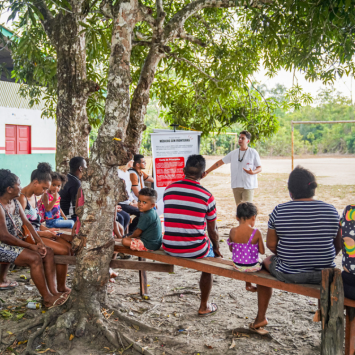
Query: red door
pixel 17 139
pixel 23 140
pixel 10 139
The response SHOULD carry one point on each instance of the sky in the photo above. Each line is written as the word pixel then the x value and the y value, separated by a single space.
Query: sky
pixel 345 85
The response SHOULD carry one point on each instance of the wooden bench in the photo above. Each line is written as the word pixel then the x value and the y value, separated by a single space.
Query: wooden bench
pixel 225 268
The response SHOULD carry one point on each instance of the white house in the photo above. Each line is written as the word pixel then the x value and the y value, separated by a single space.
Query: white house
pixel 25 138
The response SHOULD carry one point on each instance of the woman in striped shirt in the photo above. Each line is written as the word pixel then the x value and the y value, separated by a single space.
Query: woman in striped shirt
pixel 304 236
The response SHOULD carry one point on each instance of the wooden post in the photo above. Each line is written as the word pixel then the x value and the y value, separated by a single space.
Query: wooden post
pixel 292 149
pixel 143 280
pixel 332 312
pixel 350 331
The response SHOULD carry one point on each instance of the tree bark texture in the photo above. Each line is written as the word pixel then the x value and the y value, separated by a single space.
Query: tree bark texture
pixel 101 186
pixel 332 312
pixel 73 89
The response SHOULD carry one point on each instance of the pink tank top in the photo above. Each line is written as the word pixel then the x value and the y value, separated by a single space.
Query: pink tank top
pixel 245 254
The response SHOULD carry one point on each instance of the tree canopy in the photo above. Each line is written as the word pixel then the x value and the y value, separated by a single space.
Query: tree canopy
pixel 206 79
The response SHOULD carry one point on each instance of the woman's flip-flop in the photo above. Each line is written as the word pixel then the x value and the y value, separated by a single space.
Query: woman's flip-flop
pixel 214 310
pixel 59 298
pixel 260 331
pixel 10 286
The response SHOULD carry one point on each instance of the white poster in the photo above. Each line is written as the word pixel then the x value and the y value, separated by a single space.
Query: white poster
pixel 170 152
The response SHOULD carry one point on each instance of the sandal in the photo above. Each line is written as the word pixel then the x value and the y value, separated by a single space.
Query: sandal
pixel 213 311
pixel 260 330
pixel 59 298
pixel 11 285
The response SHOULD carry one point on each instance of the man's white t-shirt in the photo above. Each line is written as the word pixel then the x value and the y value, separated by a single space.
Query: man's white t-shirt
pixel 239 178
pixel 125 175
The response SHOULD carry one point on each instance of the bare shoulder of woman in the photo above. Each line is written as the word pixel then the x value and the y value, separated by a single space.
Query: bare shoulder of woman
pixel 22 200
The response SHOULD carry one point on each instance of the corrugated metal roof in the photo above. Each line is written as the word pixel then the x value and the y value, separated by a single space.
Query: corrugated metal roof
pixel 10 97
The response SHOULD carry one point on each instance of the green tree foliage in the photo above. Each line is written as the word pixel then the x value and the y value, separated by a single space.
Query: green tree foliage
pixel 205 81
pixel 329 105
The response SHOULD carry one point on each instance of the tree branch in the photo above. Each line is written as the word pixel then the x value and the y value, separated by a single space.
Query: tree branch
pixel 216 81
pixel 192 39
pixel 146 15
pixel 48 18
pixel 160 14
pixel 176 23
pixel 141 43
pixel 106 9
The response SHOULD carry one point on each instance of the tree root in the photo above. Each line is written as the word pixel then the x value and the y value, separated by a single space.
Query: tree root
pixel 107 333
pixel 35 335
pixel 31 323
pixel 80 328
pixel 135 345
pixel 141 325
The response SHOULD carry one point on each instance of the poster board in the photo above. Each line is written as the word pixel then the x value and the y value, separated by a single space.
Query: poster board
pixel 170 151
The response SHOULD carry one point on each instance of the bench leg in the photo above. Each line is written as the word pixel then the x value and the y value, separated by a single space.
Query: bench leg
pixel 143 280
pixel 350 331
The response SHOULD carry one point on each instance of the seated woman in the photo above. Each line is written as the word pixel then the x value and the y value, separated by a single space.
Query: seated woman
pixel 303 234
pixel 347 224
pixel 13 249
pixel 40 182
pixel 130 206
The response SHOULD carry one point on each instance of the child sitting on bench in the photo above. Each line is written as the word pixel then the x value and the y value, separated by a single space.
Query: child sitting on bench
pixel 49 205
pixel 246 242
pixel 148 234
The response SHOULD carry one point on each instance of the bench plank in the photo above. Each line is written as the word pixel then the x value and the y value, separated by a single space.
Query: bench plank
pixel 122 264
pixel 225 268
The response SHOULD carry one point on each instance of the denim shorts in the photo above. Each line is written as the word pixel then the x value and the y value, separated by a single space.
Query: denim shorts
pixel 210 253
pixel 300 278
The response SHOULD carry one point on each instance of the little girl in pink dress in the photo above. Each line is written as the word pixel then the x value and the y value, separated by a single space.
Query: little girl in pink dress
pixel 245 242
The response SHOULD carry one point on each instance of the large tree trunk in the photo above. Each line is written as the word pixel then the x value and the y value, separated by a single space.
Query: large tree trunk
pixel 73 88
pixel 101 186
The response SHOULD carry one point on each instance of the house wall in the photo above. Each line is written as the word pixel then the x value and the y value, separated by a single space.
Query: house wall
pixel 43 141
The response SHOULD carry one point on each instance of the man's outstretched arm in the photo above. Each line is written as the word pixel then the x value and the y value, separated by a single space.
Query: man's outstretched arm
pixel 213 167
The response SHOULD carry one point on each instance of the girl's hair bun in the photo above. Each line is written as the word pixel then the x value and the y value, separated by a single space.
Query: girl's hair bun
pixel 44 168
pixel 312 185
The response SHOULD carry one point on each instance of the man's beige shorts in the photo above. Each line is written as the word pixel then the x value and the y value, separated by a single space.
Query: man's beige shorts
pixel 243 195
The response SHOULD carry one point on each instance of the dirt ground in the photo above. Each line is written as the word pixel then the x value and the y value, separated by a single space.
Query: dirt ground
pixel 174 298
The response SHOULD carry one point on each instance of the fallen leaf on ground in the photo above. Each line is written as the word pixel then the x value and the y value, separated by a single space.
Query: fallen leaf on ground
pixel 232 345
pixel 208 346
pixel 44 351
pixel 71 337
pixel 19 316
pixel 22 342
pixel 135 327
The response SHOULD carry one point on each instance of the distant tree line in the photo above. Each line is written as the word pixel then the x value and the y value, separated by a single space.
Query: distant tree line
pixel 329 105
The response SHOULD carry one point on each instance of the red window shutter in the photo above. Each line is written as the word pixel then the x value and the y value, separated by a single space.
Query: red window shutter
pixel 10 139
pixel 23 140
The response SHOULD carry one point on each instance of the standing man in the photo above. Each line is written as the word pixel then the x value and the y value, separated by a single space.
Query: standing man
pixel 138 176
pixel 245 165
pixel 70 189
pixel 188 207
